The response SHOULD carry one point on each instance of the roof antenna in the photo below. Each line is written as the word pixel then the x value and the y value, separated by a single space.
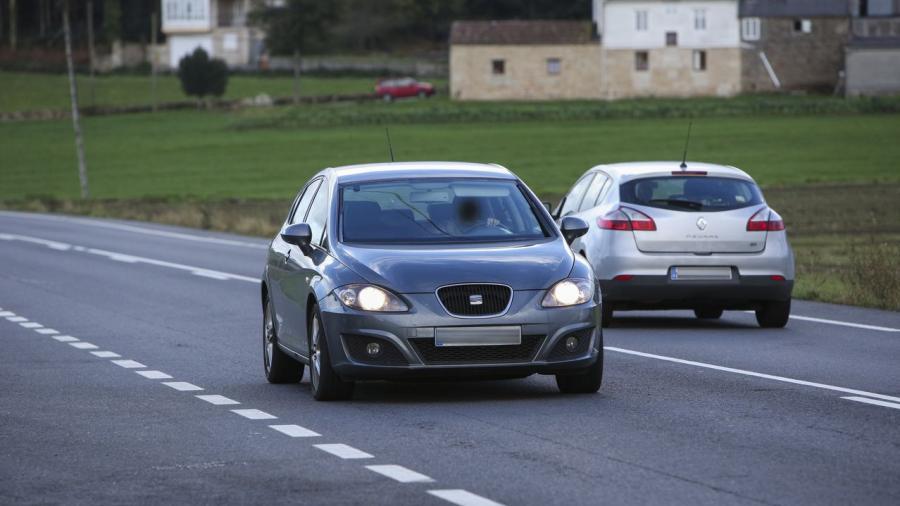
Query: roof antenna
pixel 686 144
pixel 387 132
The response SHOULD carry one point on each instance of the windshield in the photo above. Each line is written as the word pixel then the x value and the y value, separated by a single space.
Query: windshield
pixel 418 211
pixel 691 193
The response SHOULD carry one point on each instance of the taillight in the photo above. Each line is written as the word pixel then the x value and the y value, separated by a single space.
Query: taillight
pixel 765 220
pixel 625 219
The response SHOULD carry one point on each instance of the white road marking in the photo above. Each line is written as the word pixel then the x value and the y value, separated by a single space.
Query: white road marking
pixel 7 313
pixel 31 325
pixel 463 498
pixel 105 354
pixel 65 339
pixel 81 345
pixel 294 431
pixel 46 331
pixel 254 414
pixel 218 400
pixel 400 473
pixel 211 275
pixel 129 364
pixel 874 401
pixel 154 375
pixel 839 323
pixel 182 386
pixel 59 246
pixel 343 451
pixel 755 374
pixel 16 319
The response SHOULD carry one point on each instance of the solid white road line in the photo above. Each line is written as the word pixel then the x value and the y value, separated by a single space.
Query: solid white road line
pixel 754 374
pixel 844 324
pixel 128 364
pixel 105 354
pixel 874 401
pixel 31 325
pixel 82 345
pixel 217 400
pixel 463 498
pixel 400 473
pixel 254 414
pixel 46 332
pixel 65 339
pixel 182 386
pixel 16 319
pixel 343 451
pixel 294 431
pixel 154 375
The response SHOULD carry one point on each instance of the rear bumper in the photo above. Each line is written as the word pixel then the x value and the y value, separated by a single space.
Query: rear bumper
pixel 660 292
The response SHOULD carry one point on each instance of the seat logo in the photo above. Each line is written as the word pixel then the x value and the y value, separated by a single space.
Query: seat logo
pixel 476 300
pixel 702 224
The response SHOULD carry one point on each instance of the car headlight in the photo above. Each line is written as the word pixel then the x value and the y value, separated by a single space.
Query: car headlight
pixel 370 298
pixel 569 292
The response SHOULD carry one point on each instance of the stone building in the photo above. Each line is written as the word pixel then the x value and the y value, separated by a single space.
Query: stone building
pixel 873 54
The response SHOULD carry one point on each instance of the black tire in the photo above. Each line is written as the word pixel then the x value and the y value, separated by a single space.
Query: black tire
pixel 278 365
pixel 607 315
pixel 708 314
pixel 774 314
pixel 324 382
pixel 586 381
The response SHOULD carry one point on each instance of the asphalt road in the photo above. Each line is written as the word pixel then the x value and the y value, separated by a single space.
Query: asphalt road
pixel 96 315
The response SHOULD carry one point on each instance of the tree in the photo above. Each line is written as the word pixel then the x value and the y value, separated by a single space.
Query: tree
pixel 202 76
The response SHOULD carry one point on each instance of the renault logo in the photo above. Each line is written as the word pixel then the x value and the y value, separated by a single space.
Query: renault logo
pixel 702 224
pixel 476 300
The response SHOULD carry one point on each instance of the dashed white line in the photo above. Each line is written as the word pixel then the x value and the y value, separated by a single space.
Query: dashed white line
pixel 254 414
pixel 16 319
pixel 31 325
pixel 400 473
pixel 182 386
pixel 7 313
pixel 875 402
pixel 218 400
pixel 294 431
pixel 463 498
pixel 105 354
pixel 46 331
pixel 128 364
pixel 755 374
pixel 65 339
pixel 154 375
pixel 82 345
pixel 344 451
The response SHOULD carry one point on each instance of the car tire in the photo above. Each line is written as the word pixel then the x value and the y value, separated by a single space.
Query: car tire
pixel 774 314
pixel 586 381
pixel 708 314
pixel 278 365
pixel 324 382
pixel 606 315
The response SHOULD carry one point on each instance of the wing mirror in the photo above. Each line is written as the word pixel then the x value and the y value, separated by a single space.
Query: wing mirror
pixel 299 235
pixel 572 228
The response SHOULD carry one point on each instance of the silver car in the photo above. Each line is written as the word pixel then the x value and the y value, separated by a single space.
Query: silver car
pixel 667 235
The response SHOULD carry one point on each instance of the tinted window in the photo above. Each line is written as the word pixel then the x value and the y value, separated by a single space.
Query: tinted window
pixel 303 204
pixel 691 193
pixel 573 199
pixel 418 211
pixel 318 214
pixel 590 198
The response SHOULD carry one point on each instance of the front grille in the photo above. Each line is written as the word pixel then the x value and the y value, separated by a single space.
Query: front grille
pixel 560 352
pixel 389 355
pixel 458 299
pixel 510 353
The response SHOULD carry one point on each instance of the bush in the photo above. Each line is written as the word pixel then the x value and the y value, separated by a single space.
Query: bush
pixel 202 76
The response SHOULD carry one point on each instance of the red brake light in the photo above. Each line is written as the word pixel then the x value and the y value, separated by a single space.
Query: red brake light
pixel 625 219
pixel 765 220
pixel 624 277
pixel 777 278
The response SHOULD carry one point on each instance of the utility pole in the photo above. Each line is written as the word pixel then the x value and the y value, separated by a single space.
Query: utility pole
pixel 13 25
pixel 154 27
pixel 73 92
pixel 91 52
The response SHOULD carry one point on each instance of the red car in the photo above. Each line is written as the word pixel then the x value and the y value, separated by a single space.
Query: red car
pixel 390 89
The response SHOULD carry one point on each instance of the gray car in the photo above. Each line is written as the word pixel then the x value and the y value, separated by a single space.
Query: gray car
pixel 695 236
pixel 427 270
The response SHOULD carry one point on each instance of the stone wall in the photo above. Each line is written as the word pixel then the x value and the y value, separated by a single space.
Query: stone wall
pixel 671 74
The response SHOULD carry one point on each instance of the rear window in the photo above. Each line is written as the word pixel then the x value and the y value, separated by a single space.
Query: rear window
pixel 691 193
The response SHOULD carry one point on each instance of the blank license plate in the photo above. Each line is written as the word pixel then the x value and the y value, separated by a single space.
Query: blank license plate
pixel 701 273
pixel 477 336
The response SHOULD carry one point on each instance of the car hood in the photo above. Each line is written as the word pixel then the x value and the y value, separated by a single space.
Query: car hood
pixel 423 269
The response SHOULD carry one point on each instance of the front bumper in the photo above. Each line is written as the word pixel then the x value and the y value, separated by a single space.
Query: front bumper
pixel 407 340
pixel 661 292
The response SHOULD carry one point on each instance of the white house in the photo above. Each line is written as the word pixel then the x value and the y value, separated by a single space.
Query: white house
pixel 218 26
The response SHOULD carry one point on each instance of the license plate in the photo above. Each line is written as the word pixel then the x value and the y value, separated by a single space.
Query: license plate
pixel 477 336
pixel 701 273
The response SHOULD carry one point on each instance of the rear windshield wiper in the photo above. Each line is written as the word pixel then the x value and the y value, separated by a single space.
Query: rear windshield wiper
pixel 679 203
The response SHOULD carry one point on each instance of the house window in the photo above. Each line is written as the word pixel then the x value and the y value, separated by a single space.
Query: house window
pixel 750 28
pixel 802 25
pixel 640 20
pixel 642 61
pixel 699 61
pixel 554 66
pixel 498 67
pixel 700 19
pixel 185 10
pixel 671 38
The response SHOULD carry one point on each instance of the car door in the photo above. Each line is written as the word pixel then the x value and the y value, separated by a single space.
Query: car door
pixel 588 209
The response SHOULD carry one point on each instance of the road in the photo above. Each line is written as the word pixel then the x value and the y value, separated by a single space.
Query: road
pixel 110 330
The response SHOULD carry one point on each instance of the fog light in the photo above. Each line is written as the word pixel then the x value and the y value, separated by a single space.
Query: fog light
pixel 571 344
pixel 373 349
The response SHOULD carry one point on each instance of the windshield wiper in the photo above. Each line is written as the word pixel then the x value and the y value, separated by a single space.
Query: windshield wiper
pixel 690 204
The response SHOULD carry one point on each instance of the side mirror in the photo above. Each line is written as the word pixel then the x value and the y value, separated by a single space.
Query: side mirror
pixel 572 228
pixel 298 235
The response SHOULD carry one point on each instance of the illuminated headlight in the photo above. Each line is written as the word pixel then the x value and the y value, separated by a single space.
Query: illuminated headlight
pixel 370 298
pixel 569 292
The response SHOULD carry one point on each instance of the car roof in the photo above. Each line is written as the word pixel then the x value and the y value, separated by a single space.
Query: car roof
pixel 632 170
pixel 399 170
